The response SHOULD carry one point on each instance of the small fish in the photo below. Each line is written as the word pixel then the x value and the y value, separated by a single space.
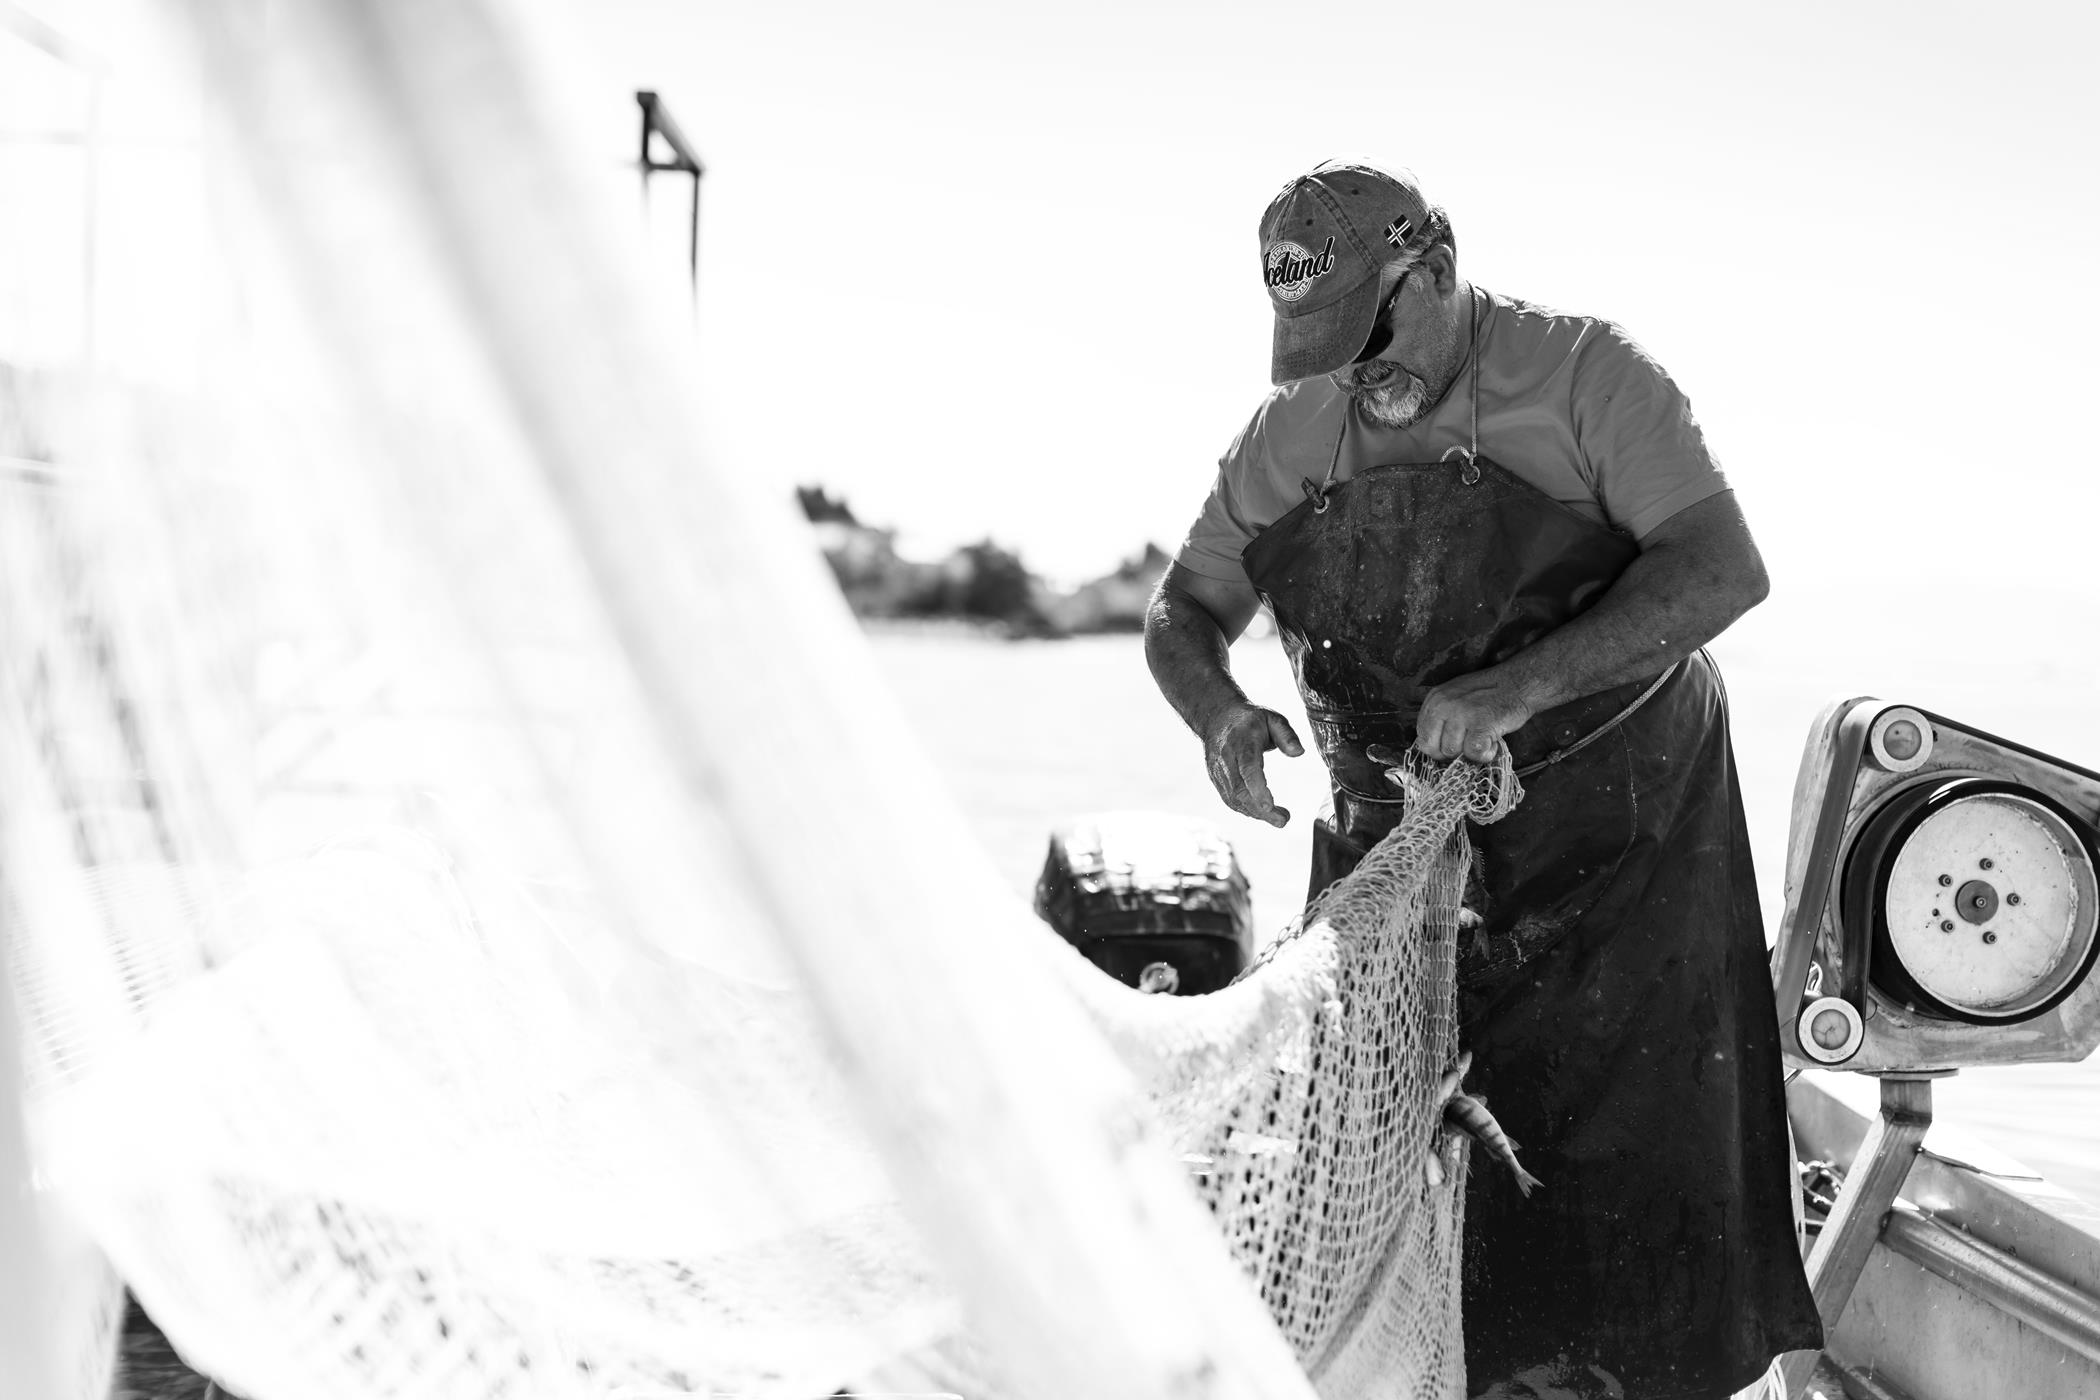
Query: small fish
pixel 1432 1169
pixel 1259 1144
pixel 1470 1115
pixel 1453 1077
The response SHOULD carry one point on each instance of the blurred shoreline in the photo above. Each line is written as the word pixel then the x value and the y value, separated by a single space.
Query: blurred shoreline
pixel 982 588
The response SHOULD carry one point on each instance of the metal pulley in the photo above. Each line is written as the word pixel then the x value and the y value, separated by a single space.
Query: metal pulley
pixel 1900 740
pixel 1830 1030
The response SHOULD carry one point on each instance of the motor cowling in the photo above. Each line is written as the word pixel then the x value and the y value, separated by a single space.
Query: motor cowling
pixel 1158 902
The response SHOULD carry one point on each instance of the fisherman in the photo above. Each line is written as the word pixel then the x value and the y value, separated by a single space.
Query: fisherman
pixel 1478 521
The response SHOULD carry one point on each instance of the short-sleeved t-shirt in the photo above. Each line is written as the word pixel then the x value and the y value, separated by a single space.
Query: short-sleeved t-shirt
pixel 1570 404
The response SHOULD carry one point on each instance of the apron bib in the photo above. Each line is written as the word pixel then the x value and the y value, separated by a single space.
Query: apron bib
pixel 1615 995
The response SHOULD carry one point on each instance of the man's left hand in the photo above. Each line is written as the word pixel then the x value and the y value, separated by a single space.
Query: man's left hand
pixel 1468 714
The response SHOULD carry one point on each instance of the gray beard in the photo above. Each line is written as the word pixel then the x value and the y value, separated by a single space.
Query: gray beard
pixel 1392 405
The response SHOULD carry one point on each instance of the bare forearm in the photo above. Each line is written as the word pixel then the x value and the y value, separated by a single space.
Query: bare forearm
pixel 1670 602
pixel 1695 574
pixel 1190 659
pixel 1189 629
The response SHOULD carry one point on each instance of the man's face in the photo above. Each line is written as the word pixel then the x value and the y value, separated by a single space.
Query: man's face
pixel 1403 380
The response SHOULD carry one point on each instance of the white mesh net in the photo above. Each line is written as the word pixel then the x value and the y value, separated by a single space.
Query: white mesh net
pixel 1306 1099
pixel 476 929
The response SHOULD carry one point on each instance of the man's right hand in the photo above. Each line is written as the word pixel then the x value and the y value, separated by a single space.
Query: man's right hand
pixel 1232 751
pixel 1189 626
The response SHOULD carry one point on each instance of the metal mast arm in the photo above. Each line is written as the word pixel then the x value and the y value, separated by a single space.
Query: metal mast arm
pixel 656 121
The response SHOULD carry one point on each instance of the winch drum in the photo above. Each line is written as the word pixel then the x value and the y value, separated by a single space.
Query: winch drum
pixel 1981 898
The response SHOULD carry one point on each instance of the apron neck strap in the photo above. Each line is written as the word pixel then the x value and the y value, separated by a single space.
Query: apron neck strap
pixel 1469 470
pixel 1473 377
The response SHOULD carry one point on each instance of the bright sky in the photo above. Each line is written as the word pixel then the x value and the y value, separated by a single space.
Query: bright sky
pixel 991 269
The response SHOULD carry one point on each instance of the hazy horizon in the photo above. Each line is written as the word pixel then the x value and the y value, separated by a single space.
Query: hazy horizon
pixel 989 271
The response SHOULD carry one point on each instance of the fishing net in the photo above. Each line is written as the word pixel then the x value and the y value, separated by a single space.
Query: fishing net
pixel 1304 1099
pixel 475 926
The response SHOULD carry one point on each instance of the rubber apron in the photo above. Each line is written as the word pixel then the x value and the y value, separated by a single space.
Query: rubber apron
pixel 1614 996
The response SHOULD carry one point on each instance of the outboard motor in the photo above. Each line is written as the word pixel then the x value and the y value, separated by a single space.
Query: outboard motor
pixel 1943 910
pixel 1156 901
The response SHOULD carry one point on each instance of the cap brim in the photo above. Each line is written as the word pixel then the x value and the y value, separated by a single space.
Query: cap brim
pixel 1322 341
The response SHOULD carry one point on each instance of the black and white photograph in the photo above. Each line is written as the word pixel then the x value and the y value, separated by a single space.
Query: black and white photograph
pixel 1049 701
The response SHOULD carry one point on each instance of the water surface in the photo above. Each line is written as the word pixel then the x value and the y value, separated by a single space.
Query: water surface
pixel 1032 734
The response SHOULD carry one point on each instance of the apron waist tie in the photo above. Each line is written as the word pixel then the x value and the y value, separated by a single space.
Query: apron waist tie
pixel 1353 755
pixel 1566 750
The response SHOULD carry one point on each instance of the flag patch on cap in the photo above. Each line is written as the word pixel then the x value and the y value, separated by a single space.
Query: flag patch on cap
pixel 1397 231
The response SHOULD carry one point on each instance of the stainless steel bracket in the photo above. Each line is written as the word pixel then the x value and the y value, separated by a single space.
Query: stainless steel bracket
pixel 1878 1172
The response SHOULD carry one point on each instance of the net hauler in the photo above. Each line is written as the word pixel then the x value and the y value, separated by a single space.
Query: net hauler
pixel 1942 902
pixel 1941 911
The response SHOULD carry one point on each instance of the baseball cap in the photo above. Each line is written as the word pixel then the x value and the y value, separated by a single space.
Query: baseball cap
pixel 1323 239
